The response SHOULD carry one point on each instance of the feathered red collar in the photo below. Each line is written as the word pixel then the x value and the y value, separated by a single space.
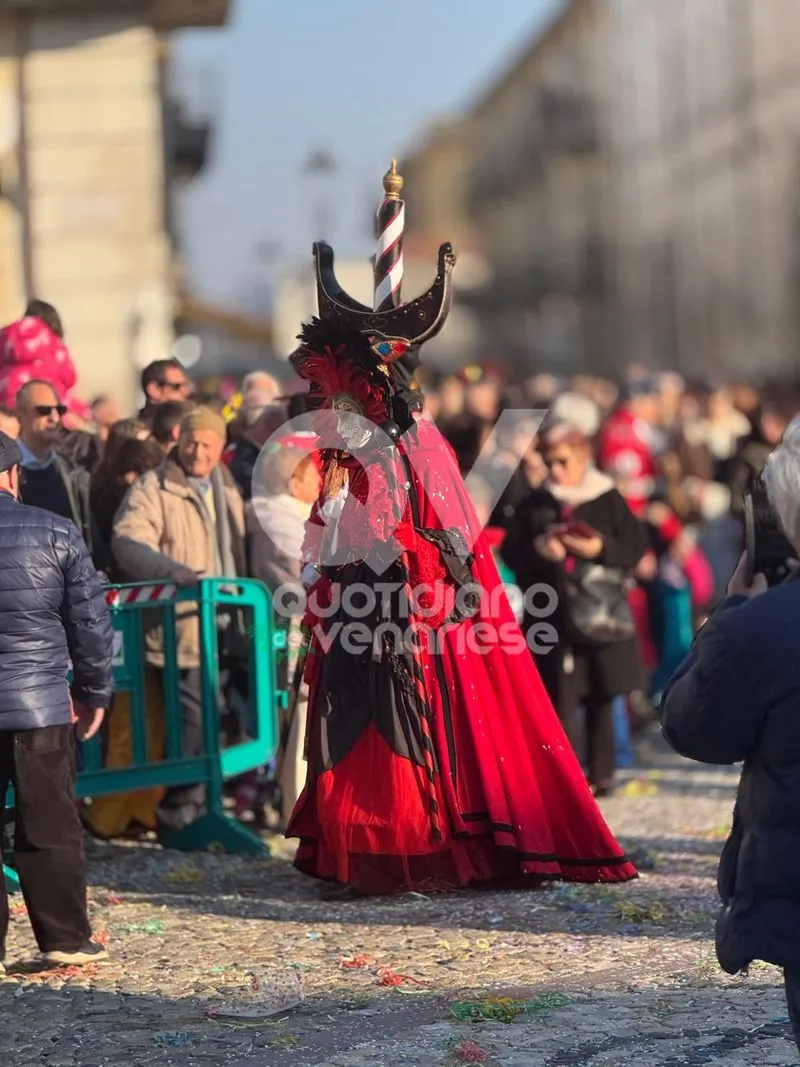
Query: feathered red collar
pixel 334 377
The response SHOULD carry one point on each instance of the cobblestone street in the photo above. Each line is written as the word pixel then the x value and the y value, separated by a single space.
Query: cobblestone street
pixel 218 960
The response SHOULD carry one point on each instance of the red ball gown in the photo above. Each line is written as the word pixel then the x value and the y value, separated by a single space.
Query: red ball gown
pixel 440 762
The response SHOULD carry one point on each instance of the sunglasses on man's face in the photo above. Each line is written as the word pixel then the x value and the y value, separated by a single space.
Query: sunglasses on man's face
pixel 176 387
pixel 47 409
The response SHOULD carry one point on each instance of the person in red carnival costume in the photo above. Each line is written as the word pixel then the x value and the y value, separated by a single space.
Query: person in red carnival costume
pixel 626 445
pixel 439 762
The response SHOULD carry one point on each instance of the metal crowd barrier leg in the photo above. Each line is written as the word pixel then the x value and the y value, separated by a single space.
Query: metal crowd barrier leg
pixel 9 874
pixel 215 829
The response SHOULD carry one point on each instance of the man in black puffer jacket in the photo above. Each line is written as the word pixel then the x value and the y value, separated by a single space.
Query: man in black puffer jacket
pixel 53 617
pixel 736 698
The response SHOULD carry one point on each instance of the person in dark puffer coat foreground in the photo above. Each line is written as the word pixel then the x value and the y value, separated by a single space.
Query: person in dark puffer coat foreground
pixel 736 698
pixel 53 617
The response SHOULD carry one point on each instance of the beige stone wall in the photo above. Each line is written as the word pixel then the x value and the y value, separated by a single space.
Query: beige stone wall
pixel 97 187
pixel 11 283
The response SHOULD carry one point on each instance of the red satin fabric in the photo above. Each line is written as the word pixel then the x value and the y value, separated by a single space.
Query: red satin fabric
pixel 514 803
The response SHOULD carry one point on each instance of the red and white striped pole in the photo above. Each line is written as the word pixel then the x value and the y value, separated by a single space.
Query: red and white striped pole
pixel 388 285
pixel 389 257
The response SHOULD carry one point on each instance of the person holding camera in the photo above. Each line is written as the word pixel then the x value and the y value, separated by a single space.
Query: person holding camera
pixel 735 699
pixel 576 535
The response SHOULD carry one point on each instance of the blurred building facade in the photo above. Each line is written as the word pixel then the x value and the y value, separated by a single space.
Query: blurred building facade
pixel 92 144
pixel 706 130
pixel 539 196
pixel 436 187
pixel 634 189
pixel 231 342
pixel 436 190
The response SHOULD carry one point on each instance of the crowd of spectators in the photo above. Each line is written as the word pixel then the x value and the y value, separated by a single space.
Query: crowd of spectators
pixel 638 483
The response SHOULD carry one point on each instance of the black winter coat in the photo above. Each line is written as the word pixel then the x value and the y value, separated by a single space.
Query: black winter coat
pixel 572 673
pixel 242 466
pixel 736 698
pixel 53 612
pixel 82 449
pixel 77 483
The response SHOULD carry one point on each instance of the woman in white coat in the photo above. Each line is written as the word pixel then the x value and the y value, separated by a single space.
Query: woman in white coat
pixel 286 484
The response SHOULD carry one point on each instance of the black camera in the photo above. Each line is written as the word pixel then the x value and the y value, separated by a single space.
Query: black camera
pixel 768 551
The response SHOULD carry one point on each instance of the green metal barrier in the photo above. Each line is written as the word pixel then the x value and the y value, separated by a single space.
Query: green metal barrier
pixel 262 641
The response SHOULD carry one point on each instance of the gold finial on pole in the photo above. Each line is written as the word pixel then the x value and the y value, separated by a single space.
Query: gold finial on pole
pixel 392 182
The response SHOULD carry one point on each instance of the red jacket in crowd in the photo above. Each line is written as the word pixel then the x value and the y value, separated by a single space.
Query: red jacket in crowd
pixel 625 450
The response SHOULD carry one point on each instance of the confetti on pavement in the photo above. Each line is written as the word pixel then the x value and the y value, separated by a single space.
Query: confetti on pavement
pixel 568 975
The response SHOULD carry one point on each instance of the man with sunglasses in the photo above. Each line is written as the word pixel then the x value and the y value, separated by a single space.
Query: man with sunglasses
pixel 48 479
pixel 163 380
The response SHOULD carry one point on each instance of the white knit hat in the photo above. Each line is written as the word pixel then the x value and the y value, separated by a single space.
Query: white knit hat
pixel 577 411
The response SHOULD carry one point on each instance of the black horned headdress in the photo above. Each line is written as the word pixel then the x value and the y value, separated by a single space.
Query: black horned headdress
pixel 357 352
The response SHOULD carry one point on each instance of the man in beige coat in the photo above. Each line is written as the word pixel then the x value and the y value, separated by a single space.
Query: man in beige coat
pixel 178 523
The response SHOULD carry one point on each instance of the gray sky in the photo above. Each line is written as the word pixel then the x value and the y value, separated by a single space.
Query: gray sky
pixel 359 80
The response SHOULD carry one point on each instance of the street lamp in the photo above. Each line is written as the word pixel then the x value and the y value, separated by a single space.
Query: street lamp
pixel 266 254
pixel 320 165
